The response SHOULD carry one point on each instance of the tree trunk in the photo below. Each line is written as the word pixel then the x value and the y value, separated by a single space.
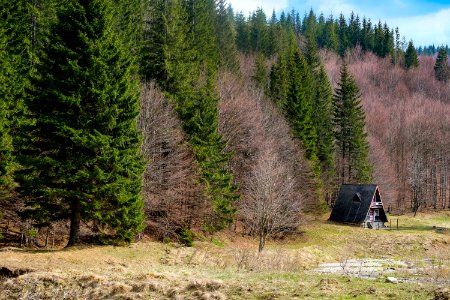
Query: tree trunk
pixel 75 219
pixel 262 242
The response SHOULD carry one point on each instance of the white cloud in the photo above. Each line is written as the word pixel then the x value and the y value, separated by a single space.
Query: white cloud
pixel 268 6
pixel 335 7
pixel 427 29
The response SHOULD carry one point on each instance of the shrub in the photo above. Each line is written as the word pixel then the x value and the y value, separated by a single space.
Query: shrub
pixel 186 237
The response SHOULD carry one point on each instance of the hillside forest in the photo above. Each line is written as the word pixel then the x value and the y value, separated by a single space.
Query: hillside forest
pixel 169 117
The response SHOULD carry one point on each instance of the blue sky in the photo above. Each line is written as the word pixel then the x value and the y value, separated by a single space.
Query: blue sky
pixel 425 22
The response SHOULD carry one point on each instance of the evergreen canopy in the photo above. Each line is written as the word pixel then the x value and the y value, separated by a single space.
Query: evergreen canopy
pixel 441 68
pixel 83 160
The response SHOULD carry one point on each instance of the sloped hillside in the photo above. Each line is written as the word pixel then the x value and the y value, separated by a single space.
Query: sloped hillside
pixel 408 122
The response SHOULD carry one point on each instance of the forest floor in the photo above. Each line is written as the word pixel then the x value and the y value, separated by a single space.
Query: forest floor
pixel 327 261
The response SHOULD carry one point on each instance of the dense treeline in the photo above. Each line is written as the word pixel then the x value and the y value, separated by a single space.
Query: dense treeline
pixel 432 50
pixel 180 115
pixel 261 34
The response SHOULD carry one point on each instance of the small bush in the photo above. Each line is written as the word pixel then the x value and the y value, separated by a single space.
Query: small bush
pixel 187 237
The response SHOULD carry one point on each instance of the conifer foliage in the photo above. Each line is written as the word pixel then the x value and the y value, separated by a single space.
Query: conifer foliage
pixel 15 65
pixel 441 68
pixel 83 162
pixel 351 138
pixel 299 107
pixel 411 59
pixel 7 161
pixel 187 71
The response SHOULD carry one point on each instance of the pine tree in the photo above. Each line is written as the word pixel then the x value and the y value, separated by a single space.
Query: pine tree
pixel 154 31
pixel 17 57
pixel 367 39
pixel 202 21
pixel 354 30
pixel 352 146
pixel 441 68
pixel 7 85
pixel 388 42
pixel 226 38
pixel 84 161
pixel 411 59
pixel 259 35
pixel 323 118
pixel 242 33
pixel 260 75
pixel 279 81
pixel 344 42
pixel 299 109
pixel 330 38
pixel 187 71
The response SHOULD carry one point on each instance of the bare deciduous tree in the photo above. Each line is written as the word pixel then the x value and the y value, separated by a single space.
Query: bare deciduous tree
pixel 173 198
pixel 269 207
pixel 408 123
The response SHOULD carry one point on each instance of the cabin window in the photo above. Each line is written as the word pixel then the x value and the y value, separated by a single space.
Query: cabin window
pixel 376 214
pixel 377 197
pixel 357 197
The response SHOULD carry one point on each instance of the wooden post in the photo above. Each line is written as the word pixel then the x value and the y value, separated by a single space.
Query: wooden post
pixel 390 223
pixel 397 224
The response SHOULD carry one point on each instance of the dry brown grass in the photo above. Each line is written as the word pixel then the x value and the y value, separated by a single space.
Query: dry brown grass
pixel 234 270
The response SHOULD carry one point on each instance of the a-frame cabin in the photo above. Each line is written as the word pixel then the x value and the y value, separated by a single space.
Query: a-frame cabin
pixel 359 204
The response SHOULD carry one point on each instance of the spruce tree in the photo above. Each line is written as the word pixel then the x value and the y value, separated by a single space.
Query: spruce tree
pixel 279 81
pixel 226 38
pixel 411 59
pixel 259 33
pixel 350 133
pixel 84 161
pixel 16 64
pixel 7 86
pixel 344 42
pixel 330 37
pixel 441 68
pixel 152 57
pixel 187 55
pixel 260 75
pixel 242 33
pixel 299 107
pixel 323 118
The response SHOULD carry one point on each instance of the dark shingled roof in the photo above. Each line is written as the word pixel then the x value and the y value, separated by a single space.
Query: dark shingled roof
pixel 353 203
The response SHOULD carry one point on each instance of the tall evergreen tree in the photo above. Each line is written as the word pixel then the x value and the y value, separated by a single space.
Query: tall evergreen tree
pixel 84 161
pixel 330 37
pixel 202 19
pixel 344 42
pixel 187 72
pixel 226 38
pixel 259 35
pixel 18 25
pixel 323 118
pixel 279 81
pixel 352 146
pixel 367 35
pixel 299 109
pixel 411 59
pixel 441 68
pixel 242 33
pixel 154 39
pixel 7 88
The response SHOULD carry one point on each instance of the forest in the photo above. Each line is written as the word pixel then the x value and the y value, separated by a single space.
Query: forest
pixel 168 117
